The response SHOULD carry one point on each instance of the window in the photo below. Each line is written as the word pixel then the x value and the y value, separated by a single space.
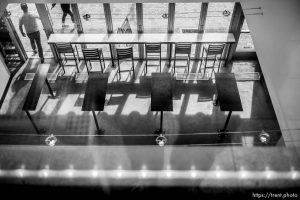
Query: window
pixel 187 17
pixel 16 13
pixel 245 41
pixel 122 11
pixel 96 22
pixel 218 17
pixel 56 14
pixel 155 17
pixel 124 20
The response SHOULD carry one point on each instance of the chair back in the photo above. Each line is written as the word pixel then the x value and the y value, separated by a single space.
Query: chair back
pixel 183 48
pixel 124 53
pixel 153 48
pixel 64 48
pixel 91 54
pixel 215 49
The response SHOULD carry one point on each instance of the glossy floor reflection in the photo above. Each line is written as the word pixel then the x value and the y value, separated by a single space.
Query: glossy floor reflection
pixel 127 117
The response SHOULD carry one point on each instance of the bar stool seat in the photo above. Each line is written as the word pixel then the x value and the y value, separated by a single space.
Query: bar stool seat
pixel 66 52
pixel 93 55
pixel 125 53
pixel 183 48
pixel 212 50
pixel 152 50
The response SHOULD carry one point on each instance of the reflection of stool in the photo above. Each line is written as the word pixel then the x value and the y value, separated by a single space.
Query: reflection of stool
pixel 212 50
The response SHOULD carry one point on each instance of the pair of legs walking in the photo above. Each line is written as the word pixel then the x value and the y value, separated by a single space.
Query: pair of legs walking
pixel 35 41
pixel 65 13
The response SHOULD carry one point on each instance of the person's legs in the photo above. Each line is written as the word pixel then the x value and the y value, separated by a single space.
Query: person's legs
pixel 71 15
pixel 63 18
pixel 37 38
pixel 32 43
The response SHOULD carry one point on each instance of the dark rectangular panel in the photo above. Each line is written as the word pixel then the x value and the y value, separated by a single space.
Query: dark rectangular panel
pixel 36 87
pixel 228 93
pixel 161 92
pixel 95 92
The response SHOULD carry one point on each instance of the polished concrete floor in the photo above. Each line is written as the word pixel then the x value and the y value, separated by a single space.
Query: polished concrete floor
pixel 127 118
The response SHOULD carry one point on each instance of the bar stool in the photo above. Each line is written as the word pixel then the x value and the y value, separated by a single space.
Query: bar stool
pixel 152 49
pixel 125 53
pixel 93 55
pixel 212 50
pixel 68 53
pixel 183 48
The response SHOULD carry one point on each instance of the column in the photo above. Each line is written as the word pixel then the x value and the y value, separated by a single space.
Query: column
pixel 140 27
pixel 235 27
pixel 47 24
pixel 201 27
pixel 77 20
pixel 109 27
pixel 171 22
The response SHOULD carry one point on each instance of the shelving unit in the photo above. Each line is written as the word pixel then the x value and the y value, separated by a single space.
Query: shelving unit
pixel 8 49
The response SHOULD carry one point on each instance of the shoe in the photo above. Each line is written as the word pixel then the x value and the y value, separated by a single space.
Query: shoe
pixel 64 25
pixel 42 60
pixel 34 52
pixel 75 26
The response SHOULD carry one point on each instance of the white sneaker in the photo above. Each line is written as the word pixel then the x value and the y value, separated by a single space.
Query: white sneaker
pixel 75 26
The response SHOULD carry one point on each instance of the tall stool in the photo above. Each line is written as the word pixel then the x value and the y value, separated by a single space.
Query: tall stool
pixel 125 53
pixel 93 55
pixel 212 50
pixel 183 48
pixel 153 49
pixel 66 52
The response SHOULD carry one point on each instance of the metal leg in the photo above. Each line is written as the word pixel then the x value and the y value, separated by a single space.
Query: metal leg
pixel 50 90
pixel 226 123
pixel 170 55
pixel 161 121
pixel 226 59
pixel 99 131
pixel 34 125
pixel 112 57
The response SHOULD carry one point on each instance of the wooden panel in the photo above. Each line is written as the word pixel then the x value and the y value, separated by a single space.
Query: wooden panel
pixel 228 93
pixel 161 92
pixel 95 92
pixel 36 87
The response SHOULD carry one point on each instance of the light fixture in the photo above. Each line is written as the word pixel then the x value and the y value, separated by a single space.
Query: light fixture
pixel 264 137
pixel 51 140
pixel 161 140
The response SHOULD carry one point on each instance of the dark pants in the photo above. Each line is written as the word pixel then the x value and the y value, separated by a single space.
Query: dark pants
pixel 65 12
pixel 35 40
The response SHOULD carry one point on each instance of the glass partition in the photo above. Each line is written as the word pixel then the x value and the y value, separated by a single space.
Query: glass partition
pixel 16 12
pixel 124 20
pixel 156 20
pixel 56 15
pixel 187 17
pixel 218 17
pixel 245 42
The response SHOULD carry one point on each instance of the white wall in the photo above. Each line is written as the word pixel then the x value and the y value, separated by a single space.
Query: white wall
pixel 276 37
